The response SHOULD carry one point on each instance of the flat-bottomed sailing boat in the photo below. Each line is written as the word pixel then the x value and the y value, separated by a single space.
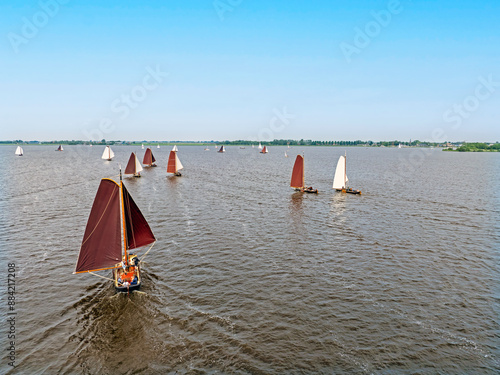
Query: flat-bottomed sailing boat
pixel 115 226
pixel 297 182
pixel 133 166
pixel 149 160
pixel 174 164
pixel 340 179
pixel 108 154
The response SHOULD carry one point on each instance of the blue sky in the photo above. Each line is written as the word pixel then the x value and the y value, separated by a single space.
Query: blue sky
pixel 231 69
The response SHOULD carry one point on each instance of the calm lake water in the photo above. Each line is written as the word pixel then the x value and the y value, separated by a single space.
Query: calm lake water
pixel 249 277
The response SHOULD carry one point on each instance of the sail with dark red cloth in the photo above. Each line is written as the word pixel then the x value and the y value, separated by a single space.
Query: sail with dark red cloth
pixel 297 181
pixel 101 245
pixel 138 231
pixel 115 225
pixel 149 158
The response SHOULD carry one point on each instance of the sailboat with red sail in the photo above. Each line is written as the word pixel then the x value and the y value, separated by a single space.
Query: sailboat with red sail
pixel 298 182
pixel 264 150
pixel 60 148
pixel 174 164
pixel 115 226
pixel 149 160
pixel 133 166
pixel 222 149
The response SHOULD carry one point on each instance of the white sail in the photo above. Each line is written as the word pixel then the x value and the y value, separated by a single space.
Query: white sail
pixel 158 146
pixel 260 146
pixel 175 148
pixel 338 180
pixel 108 154
pixel 178 163
pixel 142 146
pixel 138 166
pixel 19 151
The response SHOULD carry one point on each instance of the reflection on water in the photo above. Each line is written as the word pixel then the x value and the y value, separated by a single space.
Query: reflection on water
pixel 248 276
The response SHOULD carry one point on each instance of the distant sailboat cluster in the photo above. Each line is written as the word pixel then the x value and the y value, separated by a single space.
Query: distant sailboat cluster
pixel 135 168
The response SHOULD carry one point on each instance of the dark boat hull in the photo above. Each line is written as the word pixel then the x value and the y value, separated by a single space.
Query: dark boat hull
pixel 310 191
pixel 314 191
pixel 349 191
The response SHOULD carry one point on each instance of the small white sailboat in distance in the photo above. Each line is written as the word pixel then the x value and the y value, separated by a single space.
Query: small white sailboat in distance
pixel 286 155
pixel 264 150
pixel 19 151
pixel 142 146
pixel 206 148
pixel 260 146
pixel 175 149
pixel 133 166
pixel 340 179
pixel 108 154
pixel 174 164
pixel 158 145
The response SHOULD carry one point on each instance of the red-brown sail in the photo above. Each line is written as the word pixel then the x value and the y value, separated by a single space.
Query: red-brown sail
pixel 297 181
pixel 149 159
pixel 172 167
pixel 101 245
pixel 138 231
pixel 130 169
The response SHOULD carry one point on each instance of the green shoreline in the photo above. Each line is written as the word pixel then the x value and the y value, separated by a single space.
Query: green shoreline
pixel 448 146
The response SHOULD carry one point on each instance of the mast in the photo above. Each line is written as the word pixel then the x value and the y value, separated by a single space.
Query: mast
pixel 303 173
pixel 123 219
pixel 345 170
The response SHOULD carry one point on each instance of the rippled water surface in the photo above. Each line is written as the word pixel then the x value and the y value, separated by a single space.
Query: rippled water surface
pixel 249 277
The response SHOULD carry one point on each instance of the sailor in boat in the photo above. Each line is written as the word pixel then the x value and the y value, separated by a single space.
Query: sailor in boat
pixel 128 276
pixel 310 189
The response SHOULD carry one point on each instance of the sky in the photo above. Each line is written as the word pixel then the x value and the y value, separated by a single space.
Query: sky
pixel 255 70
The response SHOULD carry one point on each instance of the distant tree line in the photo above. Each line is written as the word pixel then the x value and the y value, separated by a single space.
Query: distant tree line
pixel 476 147
pixel 458 146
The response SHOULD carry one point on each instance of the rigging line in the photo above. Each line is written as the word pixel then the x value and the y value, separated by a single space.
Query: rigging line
pixel 103 277
pixel 146 253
